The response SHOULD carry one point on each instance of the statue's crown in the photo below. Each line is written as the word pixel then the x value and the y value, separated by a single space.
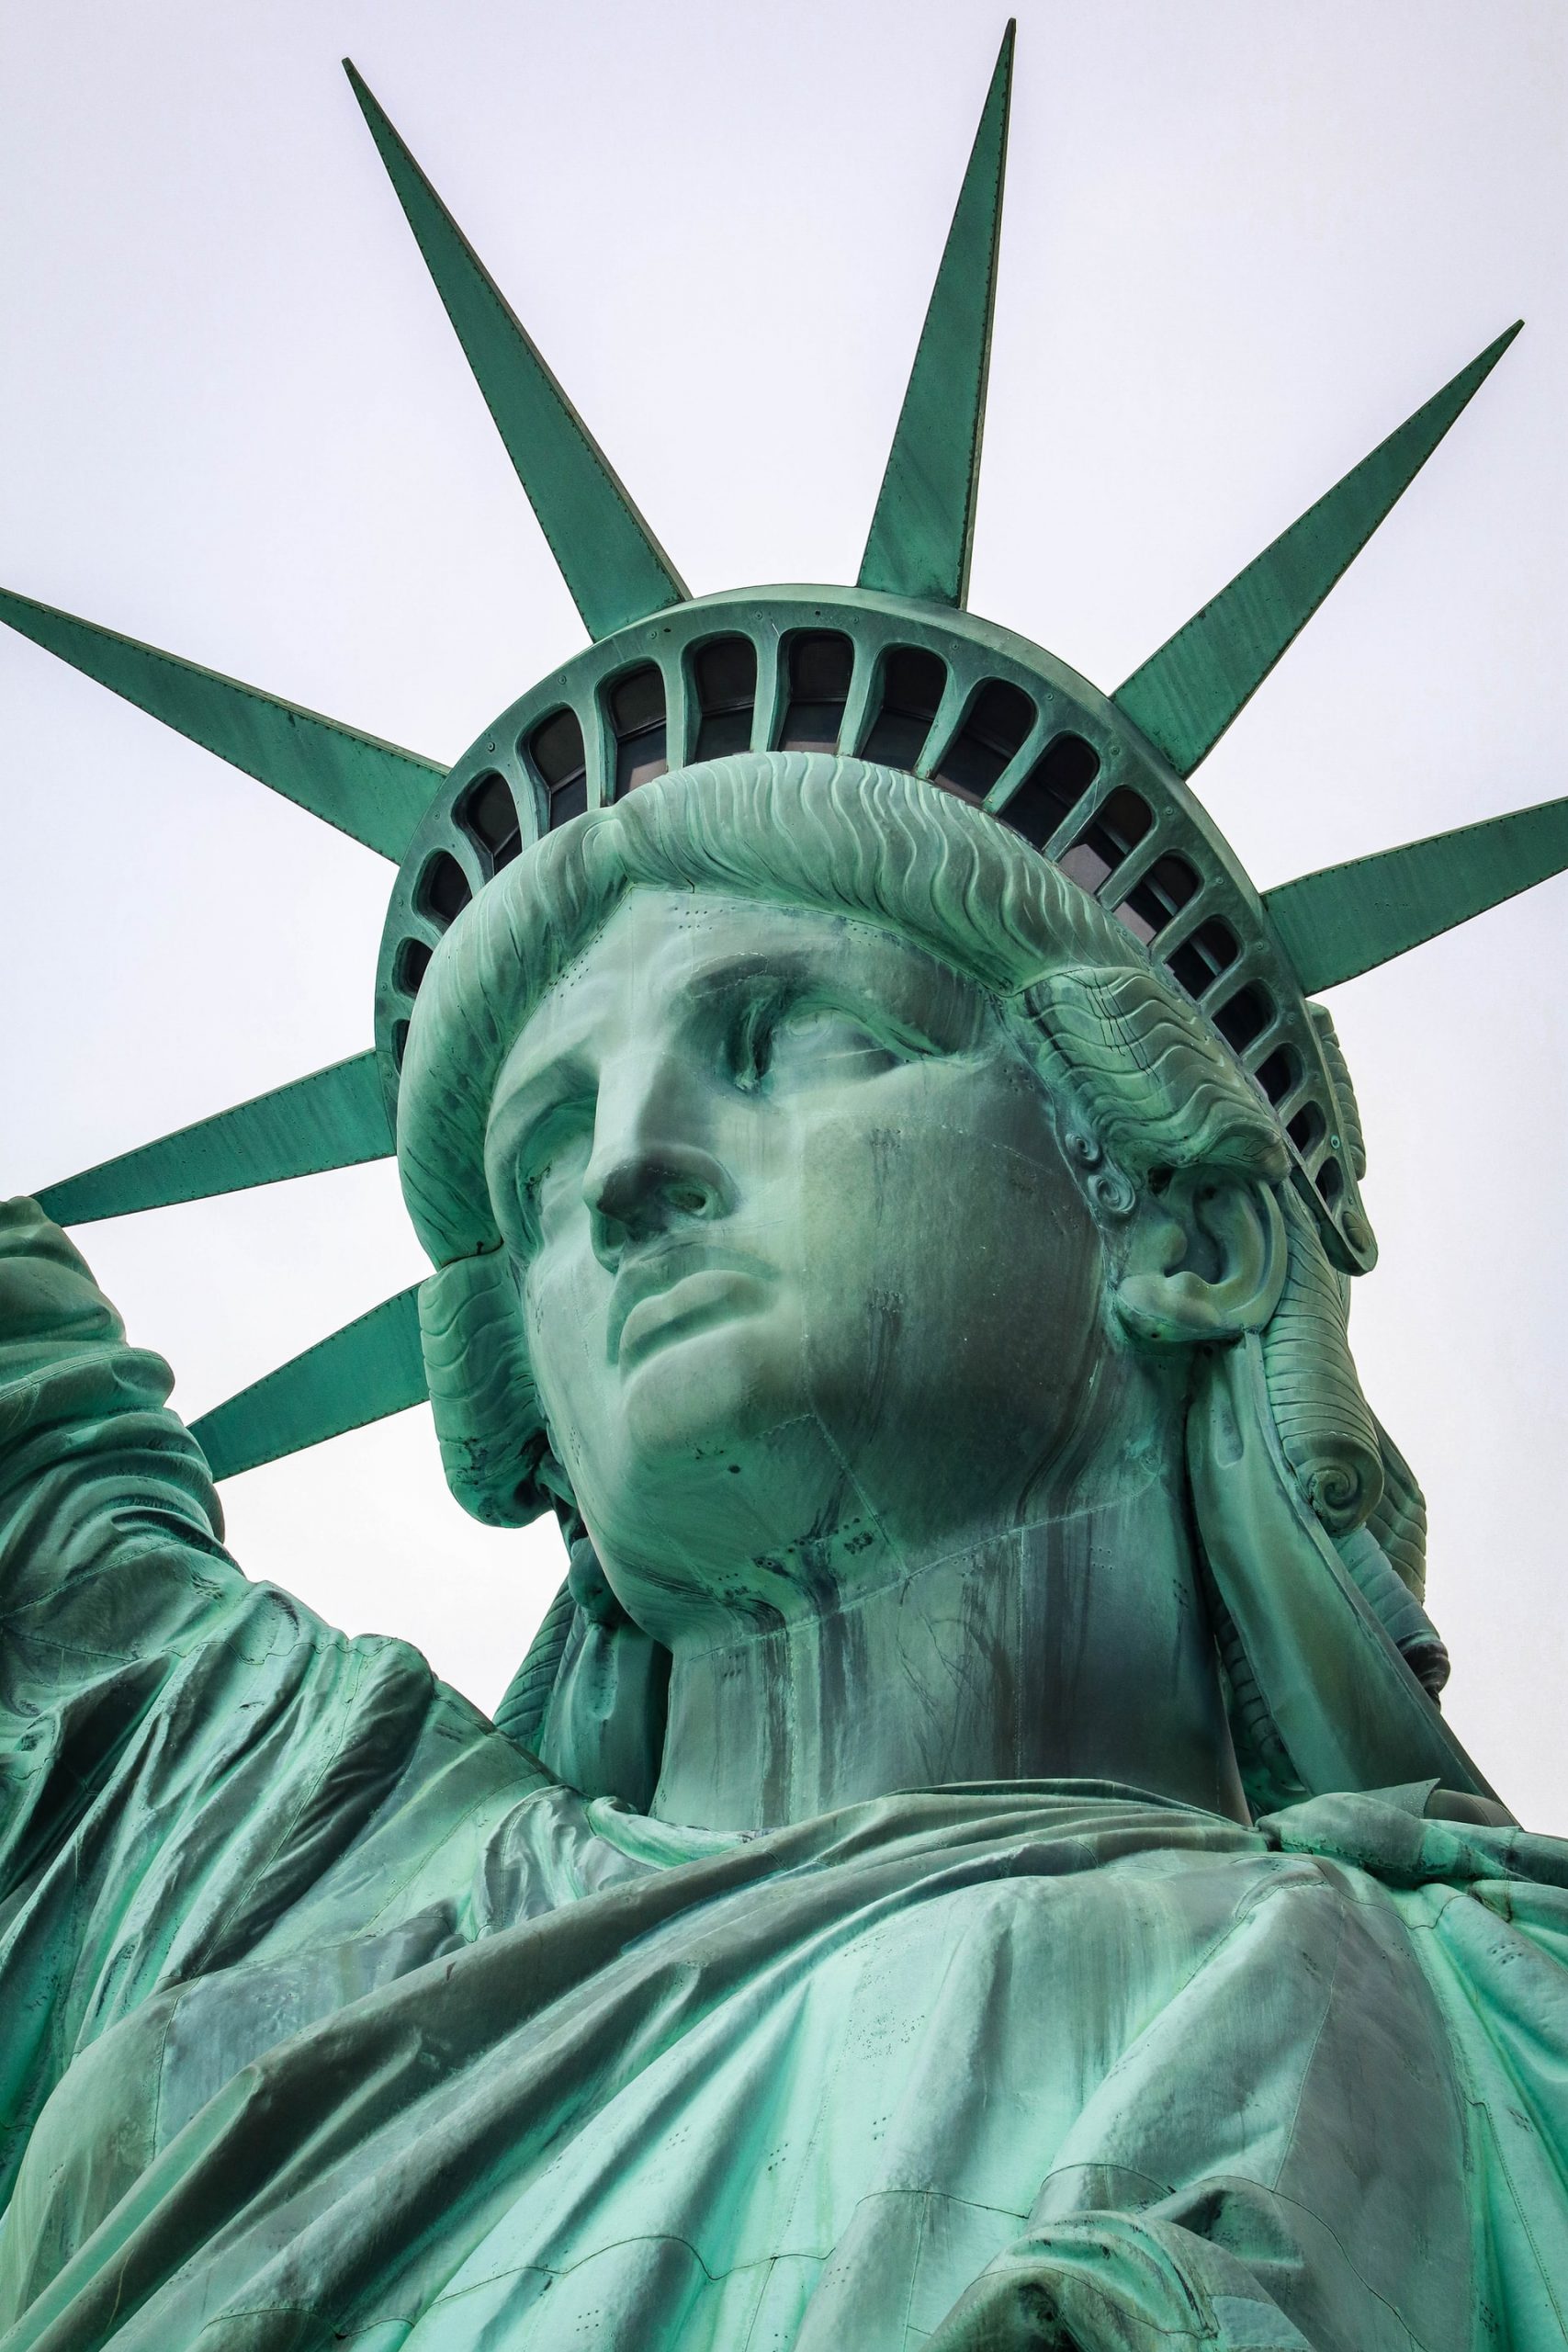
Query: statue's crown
pixel 894 669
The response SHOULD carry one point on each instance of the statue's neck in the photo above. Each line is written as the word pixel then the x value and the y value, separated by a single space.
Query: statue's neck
pixel 1074 1647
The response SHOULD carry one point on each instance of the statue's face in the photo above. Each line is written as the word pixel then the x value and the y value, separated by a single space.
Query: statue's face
pixel 804 1272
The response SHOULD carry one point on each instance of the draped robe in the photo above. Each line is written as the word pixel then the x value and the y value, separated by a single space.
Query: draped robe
pixel 328 2016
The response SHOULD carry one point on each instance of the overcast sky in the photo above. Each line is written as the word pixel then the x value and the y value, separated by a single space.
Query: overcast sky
pixel 1242 243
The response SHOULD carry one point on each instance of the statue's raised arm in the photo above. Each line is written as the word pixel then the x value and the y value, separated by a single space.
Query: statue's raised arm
pixel 184 1754
pixel 110 1529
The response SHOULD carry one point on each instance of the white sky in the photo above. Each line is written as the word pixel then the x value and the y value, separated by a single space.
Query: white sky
pixel 1242 243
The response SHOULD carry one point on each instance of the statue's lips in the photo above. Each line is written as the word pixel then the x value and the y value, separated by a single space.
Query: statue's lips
pixel 649 1310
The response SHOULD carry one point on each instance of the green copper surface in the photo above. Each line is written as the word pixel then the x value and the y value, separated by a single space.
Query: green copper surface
pixel 368 1369
pixel 923 529
pixel 1350 918
pixel 1185 695
pixel 972 1859
pixel 367 788
pixel 615 567
pixel 334 1118
pixel 971 1796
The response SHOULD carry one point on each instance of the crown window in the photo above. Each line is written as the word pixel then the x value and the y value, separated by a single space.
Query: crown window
pixel 1245 1016
pixel 488 814
pixel 1329 1180
pixel 443 890
pixel 994 728
pixel 726 672
pixel 414 962
pixel 636 714
pixel 1157 896
pixel 821 663
pixel 556 750
pixel 1112 834
pixel 913 684
pixel 1202 956
pixel 1280 1074
pixel 1052 789
pixel 1307 1128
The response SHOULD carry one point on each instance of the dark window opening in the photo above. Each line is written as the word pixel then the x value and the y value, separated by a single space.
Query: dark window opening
pixel 1280 1074
pixel 443 889
pixel 913 684
pixel 819 668
pixel 488 814
pixel 1307 1127
pixel 414 962
pixel 993 733
pixel 556 749
pixel 636 714
pixel 1052 789
pixel 1158 897
pixel 400 1042
pixel 1207 952
pixel 1330 1181
pixel 1245 1016
pixel 726 672
pixel 1113 831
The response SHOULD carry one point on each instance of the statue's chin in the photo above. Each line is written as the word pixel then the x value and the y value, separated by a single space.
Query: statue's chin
pixel 707 1383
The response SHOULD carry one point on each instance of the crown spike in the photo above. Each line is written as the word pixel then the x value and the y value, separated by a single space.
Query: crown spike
pixel 1185 695
pixel 1346 920
pixel 923 529
pixel 368 1369
pixel 368 789
pixel 334 1118
pixel 614 568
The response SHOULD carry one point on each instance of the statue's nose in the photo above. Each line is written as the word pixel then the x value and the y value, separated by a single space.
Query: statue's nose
pixel 650 1171
pixel 650 1190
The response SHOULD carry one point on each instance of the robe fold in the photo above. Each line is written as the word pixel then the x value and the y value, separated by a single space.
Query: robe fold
pixel 328 2016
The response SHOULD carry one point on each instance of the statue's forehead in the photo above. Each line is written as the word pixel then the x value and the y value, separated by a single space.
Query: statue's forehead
pixel 668 954
pixel 664 938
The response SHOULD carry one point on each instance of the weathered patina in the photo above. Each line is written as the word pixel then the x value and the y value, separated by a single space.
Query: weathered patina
pixel 974 1857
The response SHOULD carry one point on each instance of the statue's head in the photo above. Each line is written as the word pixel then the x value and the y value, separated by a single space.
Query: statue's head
pixel 822 1123
pixel 814 1171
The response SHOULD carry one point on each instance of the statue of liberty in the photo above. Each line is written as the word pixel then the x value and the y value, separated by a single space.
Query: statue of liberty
pixel 974 1857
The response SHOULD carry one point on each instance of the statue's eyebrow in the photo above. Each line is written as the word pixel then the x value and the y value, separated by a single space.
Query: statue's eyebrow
pixel 792 968
pixel 789 961
pixel 909 975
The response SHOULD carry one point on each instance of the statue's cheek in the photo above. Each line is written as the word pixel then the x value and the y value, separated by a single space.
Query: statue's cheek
pixel 564 1295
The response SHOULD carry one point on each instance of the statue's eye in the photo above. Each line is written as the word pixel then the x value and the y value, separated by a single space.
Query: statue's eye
pixel 837 1041
pixel 807 1042
pixel 751 1041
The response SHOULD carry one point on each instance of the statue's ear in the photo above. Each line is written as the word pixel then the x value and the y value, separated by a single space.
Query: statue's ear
pixel 1204 1258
